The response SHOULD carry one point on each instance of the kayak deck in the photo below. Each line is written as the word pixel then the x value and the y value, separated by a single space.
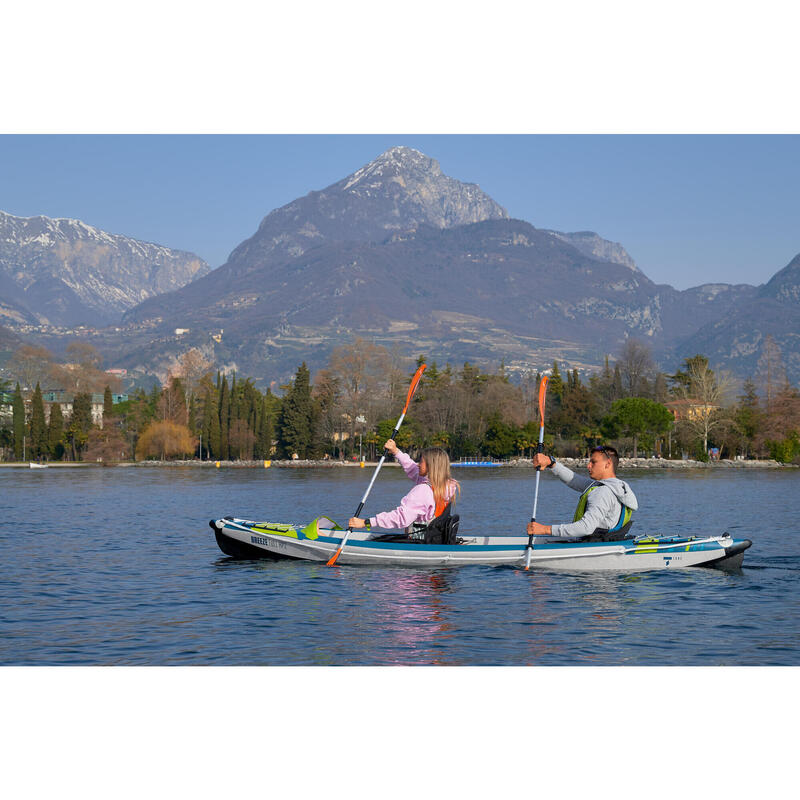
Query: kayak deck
pixel 240 538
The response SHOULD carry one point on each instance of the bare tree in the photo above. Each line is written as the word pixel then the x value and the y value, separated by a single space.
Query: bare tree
pixel 31 365
pixel 636 367
pixel 707 394
pixel 771 370
pixel 362 372
pixel 191 367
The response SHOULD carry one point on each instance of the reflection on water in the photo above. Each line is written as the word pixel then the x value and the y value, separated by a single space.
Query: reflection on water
pixel 120 567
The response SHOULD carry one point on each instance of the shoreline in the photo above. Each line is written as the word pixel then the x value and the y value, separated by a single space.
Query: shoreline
pixel 520 463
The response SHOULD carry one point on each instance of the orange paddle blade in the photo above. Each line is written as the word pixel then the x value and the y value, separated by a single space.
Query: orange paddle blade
pixel 332 559
pixel 542 397
pixel 414 383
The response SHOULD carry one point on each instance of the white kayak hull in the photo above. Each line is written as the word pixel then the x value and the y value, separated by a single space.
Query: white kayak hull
pixel 247 539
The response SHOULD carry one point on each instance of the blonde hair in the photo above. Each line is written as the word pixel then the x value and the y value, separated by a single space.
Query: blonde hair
pixel 439 474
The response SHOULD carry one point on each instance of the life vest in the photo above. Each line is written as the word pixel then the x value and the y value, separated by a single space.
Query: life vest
pixel 624 517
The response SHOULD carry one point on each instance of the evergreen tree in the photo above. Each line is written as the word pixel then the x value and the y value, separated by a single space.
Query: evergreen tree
pixel 660 393
pixel 80 423
pixel 295 423
pixel 266 431
pixel 747 416
pixel 193 415
pixel 556 386
pixel 108 404
pixel 211 431
pixel 18 416
pixel 55 432
pixel 616 386
pixel 39 442
pixel 224 419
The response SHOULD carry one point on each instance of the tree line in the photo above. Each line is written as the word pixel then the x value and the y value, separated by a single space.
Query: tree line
pixel 350 407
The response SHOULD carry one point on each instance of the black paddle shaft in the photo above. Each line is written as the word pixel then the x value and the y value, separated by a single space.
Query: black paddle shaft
pixel 385 453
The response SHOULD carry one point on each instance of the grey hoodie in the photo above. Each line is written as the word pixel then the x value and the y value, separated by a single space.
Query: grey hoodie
pixel 602 505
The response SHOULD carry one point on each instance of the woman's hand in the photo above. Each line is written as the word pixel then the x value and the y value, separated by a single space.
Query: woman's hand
pixel 391 447
pixel 356 522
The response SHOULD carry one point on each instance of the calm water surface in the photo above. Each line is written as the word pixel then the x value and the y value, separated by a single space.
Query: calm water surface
pixel 119 566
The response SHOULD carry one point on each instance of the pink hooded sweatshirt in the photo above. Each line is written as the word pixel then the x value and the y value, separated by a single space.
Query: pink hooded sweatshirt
pixel 417 506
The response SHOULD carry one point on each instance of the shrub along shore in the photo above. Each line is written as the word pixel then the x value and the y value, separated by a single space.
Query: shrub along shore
pixel 577 464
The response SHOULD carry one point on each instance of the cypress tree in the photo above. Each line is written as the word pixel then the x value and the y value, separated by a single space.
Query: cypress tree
pixel 616 387
pixel 224 419
pixel 556 386
pixel 266 430
pixel 295 423
pixel 193 414
pixel 55 432
pixel 18 412
pixel 211 434
pixel 39 442
pixel 108 404
pixel 78 430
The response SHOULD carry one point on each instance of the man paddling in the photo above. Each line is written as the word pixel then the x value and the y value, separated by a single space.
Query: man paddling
pixel 606 502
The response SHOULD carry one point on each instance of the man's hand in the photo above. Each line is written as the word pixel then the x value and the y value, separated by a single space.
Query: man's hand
pixel 356 522
pixel 537 529
pixel 541 460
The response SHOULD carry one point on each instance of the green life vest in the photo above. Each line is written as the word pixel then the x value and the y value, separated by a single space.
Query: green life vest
pixel 624 517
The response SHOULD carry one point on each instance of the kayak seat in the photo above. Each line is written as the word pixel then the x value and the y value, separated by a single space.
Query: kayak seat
pixel 440 530
pixel 605 535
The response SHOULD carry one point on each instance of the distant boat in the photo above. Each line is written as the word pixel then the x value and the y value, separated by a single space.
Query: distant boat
pixel 34 465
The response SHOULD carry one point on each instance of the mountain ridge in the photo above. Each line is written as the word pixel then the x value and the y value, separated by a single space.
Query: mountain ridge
pixel 62 271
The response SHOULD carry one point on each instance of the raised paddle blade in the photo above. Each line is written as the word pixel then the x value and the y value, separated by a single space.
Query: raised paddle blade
pixel 413 388
pixel 542 398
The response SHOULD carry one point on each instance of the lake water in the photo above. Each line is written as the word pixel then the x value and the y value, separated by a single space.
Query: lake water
pixel 119 567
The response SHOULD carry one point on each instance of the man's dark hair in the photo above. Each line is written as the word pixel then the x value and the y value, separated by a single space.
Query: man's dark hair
pixel 609 452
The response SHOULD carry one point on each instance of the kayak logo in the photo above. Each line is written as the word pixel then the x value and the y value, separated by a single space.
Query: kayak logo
pixel 667 559
pixel 259 540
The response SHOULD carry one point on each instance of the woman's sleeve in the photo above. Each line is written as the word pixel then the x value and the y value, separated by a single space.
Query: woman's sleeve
pixel 418 503
pixel 408 464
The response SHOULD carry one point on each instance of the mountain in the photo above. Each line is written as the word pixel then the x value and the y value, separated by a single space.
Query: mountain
pixel 594 246
pixel 410 258
pixel 63 272
pixel 406 255
pixel 734 340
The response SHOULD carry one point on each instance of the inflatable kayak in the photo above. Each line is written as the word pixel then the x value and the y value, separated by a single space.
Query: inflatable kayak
pixel 318 541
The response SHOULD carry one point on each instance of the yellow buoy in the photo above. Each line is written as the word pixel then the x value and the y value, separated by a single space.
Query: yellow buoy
pixel 216 464
pixel 363 463
pixel 266 464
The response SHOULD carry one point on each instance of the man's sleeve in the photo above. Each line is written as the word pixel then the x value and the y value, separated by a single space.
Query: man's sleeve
pixel 577 482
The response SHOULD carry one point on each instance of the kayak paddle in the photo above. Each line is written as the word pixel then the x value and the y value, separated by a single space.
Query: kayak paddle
pixel 542 398
pixel 413 388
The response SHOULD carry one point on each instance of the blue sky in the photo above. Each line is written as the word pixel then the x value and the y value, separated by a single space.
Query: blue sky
pixel 689 209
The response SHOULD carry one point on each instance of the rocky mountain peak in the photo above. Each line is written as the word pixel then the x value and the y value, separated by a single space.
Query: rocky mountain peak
pixel 65 272
pixel 419 191
pixel 785 284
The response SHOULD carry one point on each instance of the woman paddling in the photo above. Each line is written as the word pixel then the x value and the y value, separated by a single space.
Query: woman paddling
pixel 433 492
